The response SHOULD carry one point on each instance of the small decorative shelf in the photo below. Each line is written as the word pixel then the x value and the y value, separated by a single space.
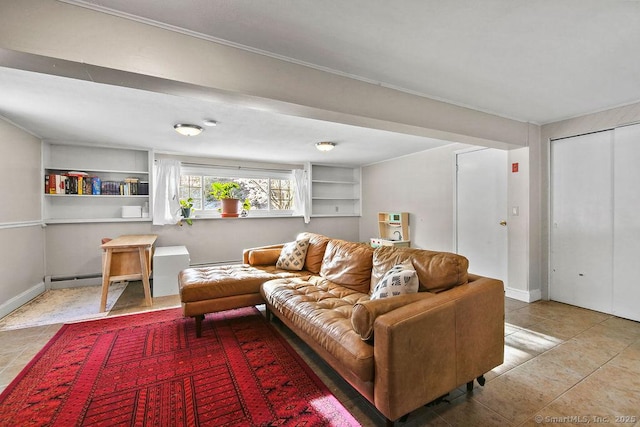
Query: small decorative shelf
pixel 393 229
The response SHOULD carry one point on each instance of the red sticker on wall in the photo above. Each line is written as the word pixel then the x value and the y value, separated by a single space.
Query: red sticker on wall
pixel 514 167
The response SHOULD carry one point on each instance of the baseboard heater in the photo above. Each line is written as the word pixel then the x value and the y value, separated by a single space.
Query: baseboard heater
pixel 74 281
pixel 91 279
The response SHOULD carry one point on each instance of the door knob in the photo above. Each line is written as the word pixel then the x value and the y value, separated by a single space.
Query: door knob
pixel 503 223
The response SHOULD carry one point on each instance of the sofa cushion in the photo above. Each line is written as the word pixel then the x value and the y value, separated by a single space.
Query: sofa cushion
pixel 266 256
pixel 365 312
pixel 315 251
pixel 399 280
pixel 437 271
pixel 348 264
pixel 203 283
pixel 321 311
pixel 292 255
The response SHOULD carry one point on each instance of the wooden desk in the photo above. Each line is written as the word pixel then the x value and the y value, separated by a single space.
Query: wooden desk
pixel 127 257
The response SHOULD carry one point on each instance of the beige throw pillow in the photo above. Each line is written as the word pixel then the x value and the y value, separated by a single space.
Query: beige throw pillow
pixel 292 255
pixel 399 280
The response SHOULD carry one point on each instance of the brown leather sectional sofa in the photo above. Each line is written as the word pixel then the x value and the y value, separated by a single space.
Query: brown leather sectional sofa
pixel 400 352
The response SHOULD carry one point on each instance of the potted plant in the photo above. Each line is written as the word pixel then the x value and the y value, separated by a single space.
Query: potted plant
pixel 226 192
pixel 185 207
pixel 246 205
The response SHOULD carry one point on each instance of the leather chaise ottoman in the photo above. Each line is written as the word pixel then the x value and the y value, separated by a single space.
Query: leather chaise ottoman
pixel 210 289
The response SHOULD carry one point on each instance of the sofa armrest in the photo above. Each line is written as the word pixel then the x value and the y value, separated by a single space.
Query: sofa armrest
pixel 365 313
pixel 480 328
pixel 427 348
pixel 247 252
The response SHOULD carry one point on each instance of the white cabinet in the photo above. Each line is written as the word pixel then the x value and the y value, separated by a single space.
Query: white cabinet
pixel 168 262
pixel 111 165
pixel 581 235
pixel 626 229
pixel 335 190
pixel 595 227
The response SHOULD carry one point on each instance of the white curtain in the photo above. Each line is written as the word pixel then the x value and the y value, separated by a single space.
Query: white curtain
pixel 301 195
pixel 166 203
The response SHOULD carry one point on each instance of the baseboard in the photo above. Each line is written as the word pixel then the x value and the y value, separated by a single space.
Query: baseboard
pixel 21 299
pixel 526 296
pixel 75 283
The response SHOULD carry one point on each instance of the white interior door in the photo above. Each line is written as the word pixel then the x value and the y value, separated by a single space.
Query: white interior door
pixel 481 211
pixel 581 256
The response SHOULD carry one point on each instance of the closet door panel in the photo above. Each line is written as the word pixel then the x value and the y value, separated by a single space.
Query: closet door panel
pixel 626 288
pixel 582 221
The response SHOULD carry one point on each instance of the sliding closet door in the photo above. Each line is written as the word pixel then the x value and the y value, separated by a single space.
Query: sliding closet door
pixel 626 264
pixel 581 256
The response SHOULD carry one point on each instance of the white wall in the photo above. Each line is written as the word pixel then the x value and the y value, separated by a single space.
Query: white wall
pixel 421 184
pixel 518 227
pixel 77 34
pixel 74 249
pixel 21 233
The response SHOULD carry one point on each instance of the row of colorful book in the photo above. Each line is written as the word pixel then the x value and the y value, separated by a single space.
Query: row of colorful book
pixel 82 184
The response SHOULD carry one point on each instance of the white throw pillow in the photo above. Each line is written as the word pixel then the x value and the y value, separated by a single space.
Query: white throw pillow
pixel 399 280
pixel 292 255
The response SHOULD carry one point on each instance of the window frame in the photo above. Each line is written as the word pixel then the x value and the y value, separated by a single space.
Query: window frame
pixel 238 172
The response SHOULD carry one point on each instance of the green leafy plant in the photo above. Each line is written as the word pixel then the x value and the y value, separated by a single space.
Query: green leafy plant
pixel 224 190
pixel 246 205
pixel 185 206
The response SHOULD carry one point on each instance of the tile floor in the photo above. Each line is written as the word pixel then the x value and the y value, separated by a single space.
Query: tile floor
pixel 563 365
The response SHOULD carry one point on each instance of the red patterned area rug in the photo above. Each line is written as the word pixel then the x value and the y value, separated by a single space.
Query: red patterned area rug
pixel 150 369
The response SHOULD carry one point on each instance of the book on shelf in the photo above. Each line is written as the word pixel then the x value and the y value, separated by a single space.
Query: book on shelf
pixel 87 187
pixel 96 186
pixel 67 183
pixel 129 187
pixel 143 188
pixel 110 188
pixel 61 184
pixel 82 183
pixel 51 183
pixel 75 182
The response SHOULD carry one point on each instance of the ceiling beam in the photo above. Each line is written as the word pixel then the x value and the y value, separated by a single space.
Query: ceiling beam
pixel 92 45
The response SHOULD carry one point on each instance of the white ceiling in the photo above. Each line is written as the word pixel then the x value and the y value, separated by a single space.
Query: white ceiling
pixel 536 61
pixel 78 111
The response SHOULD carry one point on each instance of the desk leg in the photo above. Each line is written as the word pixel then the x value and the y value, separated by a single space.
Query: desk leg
pixel 145 275
pixel 106 276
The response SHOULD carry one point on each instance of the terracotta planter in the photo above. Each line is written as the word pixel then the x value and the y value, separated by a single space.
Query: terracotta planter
pixel 230 208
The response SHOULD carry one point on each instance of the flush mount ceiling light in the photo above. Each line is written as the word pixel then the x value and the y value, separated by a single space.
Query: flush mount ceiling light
pixel 325 146
pixel 187 130
pixel 209 122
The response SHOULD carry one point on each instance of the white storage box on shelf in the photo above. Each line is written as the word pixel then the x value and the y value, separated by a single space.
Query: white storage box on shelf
pixel 168 262
pixel 132 212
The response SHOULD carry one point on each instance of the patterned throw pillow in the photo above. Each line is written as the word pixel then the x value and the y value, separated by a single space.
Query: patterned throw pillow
pixel 399 280
pixel 292 255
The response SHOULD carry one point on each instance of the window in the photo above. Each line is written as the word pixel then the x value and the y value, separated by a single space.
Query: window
pixel 270 192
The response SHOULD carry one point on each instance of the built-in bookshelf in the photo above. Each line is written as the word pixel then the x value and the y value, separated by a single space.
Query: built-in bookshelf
pixel 335 190
pixel 93 184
